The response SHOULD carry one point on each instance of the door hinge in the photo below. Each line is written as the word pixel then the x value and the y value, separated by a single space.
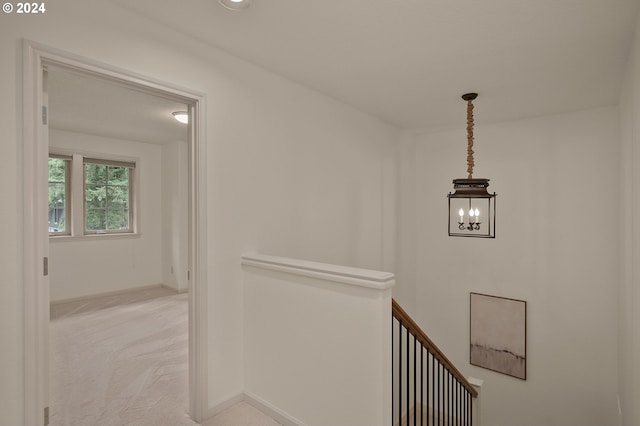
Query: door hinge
pixel 45 266
pixel 46 416
pixel 44 115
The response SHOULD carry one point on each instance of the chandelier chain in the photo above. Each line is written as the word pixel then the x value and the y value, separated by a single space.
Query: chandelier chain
pixel 470 162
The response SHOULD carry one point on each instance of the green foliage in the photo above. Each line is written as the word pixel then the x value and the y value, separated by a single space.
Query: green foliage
pixel 57 194
pixel 106 197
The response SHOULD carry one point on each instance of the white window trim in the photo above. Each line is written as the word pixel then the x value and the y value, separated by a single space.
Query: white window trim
pixel 67 202
pixel 77 205
pixel 131 191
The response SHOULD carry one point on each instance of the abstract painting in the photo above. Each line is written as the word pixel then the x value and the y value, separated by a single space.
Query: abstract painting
pixel 498 334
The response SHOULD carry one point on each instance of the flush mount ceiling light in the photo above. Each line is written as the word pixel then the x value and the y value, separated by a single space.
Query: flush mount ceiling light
pixel 181 116
pixel 235 4
pixel 472 210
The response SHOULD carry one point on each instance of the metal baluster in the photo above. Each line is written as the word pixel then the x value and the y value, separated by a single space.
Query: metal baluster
pixel 448 398
pixel 467 407
pixel 454 399
pixel 415 389
pixel 445 380
pixel 439 394
pixel 427 398
pixel 458 405
pixel 399 372
pixel 408 376
pixel 461 405
pixel 449 390
pixel 462 392
pixel 455 390
pixel 445 400
pixel 464 407
pixel 421 384
pixel 469 420
pixel 454 402
pixel 433 390
pixel 444 395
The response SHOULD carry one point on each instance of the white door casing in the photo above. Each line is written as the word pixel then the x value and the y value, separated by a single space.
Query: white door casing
pixel 36 58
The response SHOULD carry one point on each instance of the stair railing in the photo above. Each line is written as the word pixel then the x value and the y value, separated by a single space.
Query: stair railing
pixel 428 390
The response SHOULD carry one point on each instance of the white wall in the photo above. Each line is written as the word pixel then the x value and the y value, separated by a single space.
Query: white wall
pixel 11 315
pixel 405 289
pixel 102 264
pixel 629 290
pixel 289 171
pixel 175 215
pixel 317 347
pixel 556 247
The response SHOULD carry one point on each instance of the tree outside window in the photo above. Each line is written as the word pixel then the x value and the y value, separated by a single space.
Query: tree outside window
pixel 107 197
pixel 107 186
pixel 58 194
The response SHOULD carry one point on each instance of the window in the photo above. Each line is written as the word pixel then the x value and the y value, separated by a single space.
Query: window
pixel 107 196
pixel 89 196
pixel 59 194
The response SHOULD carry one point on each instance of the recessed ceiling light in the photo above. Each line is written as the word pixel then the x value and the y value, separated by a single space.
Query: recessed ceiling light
pixel 181 116
pixel 235 4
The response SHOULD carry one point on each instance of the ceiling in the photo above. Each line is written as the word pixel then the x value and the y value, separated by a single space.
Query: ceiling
pixel 408 61
pixel 86 104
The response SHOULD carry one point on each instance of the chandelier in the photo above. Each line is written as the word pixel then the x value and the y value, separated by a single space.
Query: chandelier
pixel 472 209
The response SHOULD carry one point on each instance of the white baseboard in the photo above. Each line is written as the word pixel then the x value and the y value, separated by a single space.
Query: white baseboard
pixel 113 293
pixel 272 411
pixel 260 404
pixel 177 290
pixel 220 406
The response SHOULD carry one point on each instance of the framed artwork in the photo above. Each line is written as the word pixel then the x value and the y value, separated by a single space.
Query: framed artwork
pixel 498 338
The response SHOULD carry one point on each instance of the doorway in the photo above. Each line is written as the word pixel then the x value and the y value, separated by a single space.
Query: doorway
pixel 38 59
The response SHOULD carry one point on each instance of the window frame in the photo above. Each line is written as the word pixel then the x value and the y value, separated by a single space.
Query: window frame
pixel 131 199
pixel 68 208
pixel 75 222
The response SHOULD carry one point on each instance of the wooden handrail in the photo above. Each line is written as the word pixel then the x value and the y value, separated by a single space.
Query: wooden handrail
pixel 415 330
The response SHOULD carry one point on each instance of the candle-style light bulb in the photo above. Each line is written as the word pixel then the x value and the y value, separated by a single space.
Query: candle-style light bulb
pixel 461 214
pixel 477 214
pixel 471 213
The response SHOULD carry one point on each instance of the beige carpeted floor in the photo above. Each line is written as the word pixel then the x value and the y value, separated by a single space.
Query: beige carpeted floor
pixel 123 360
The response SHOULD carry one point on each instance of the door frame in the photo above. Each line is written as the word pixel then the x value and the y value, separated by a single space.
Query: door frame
pixel 36 236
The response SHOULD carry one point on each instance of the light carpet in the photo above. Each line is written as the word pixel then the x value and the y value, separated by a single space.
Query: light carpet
pixel 122 360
